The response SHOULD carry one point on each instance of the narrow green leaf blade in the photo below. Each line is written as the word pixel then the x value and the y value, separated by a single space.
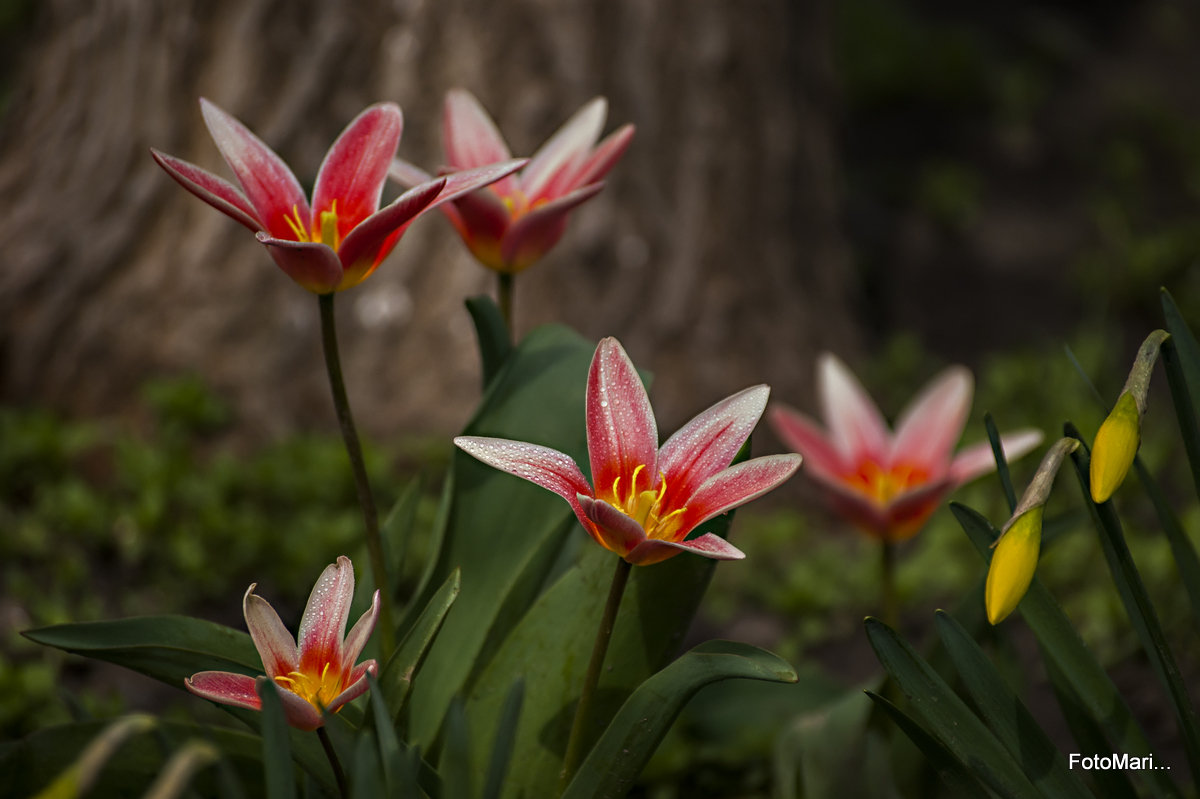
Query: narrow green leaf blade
pixel 398 673
pixel 946 717
pixel 277 753
pixel 1007 716
pixel 1141 611
pixel 491 333
pixel 618 757
pixel 504 741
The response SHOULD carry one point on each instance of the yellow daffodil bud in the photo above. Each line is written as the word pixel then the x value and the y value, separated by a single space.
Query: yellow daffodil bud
pixel 1115 445
pixel 1013 564
pixel 1015 554
pixel 1117 441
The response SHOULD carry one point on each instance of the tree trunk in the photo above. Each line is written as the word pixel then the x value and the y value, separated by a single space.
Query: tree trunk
pixel 713 253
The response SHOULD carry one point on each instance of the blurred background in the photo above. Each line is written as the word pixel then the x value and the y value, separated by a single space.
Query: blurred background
pixel 907 184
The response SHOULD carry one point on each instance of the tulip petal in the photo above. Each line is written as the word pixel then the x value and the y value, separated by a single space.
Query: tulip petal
pixel 908 512
pixel 977 459
pixel 217 192
pixel 653 551
pixel 324 621
pixel 357 685
pixel 226 688
pixel 856 427
pixel 314 266
pixel 274 643
pixel 297 710
pixel 542 466
pixel 604 157
pixel 621 432
pixel 368 244
pixel 356 167
pixel 801 434
pixel 470 136
pixel 736 486
pixel 615 531
pixel 470 180
pixel 356 639
pixel 707 444
pixel 566 149
pixel 407 174
pixel 928 429
pixel 267 181
pixel 539 230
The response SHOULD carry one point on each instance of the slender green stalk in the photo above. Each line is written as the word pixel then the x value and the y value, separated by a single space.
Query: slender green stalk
pixel 334 763
pixel 890 611
pixel 341 404
pixel 574 753
pixel 504 299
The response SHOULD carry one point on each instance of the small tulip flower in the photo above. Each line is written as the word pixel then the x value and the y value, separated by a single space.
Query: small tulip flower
pixel 886 483
pixel 647 500
pixel 315 671
pixel 516 220
pixel 342 237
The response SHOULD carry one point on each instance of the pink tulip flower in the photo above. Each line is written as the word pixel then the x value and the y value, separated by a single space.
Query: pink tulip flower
pixel 888 483
pixel 317 673
pixel 647 500
pixel 516 220
pixel 342 237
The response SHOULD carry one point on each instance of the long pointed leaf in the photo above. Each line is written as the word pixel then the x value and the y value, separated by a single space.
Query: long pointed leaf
pixel 1141 611
pixel 618 757
pixel 1007 716
pixel 398 673
pixel 947 717
pixel 277 753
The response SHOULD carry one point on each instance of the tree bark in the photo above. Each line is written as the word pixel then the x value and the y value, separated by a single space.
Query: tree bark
pixel 713 253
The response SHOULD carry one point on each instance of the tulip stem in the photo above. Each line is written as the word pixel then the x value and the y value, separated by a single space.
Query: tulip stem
pixel 334 763
pixel 887 582
pixel 358 466
pixel 579 727
pixel 505 300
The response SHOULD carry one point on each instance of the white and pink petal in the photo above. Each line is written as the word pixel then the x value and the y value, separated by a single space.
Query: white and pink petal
pixel 274 643
pixel 323 624
pixel 856 427
pixel 356 166
pixel 621 431
pixel 929 427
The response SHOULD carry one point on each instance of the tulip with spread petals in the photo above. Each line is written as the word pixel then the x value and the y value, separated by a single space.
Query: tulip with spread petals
pixel 516 220
pixel 886 483
pixel 647 500
pixel 341 238
pixel 316 670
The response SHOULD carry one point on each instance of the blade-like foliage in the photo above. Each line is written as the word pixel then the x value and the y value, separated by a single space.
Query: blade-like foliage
pixel 618 757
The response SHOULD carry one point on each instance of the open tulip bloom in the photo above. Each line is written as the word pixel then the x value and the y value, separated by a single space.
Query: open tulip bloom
pixel 341 238
pixel 516 220
pixel 647 500
pixel 889 483
pixel 316 670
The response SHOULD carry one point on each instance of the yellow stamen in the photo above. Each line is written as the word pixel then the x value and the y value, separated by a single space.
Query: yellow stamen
pixel 317 691
pixel 298 226
pixel 329 227
pixel 645 506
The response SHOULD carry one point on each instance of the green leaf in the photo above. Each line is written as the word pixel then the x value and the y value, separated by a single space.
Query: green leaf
pixel 401 668
pixel 1185 352
pixel 1141 611
pixel 1186 560
pixel 560 628
pixel 1002 471
pixel 36 760
pixel 397 530
pixel 952 772
pixel 1061 645
pixel 455 764
pixel 1007 716
pixel 946 717
pixel 626 745
pixel 503 532
pixel 503 742
pixel 167 648
pixel 276 748
pixel 491 333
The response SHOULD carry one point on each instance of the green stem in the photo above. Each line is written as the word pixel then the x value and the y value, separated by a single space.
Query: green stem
pixel 358 466
pixel 505 300
pixel 335 764
pixel 887 582
pixel 579 727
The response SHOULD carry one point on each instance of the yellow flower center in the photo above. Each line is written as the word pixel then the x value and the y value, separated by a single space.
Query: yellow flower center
pixel 882 485
pixel 326 231
pixel 645 507
pixel 518 204
pixel 318 691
